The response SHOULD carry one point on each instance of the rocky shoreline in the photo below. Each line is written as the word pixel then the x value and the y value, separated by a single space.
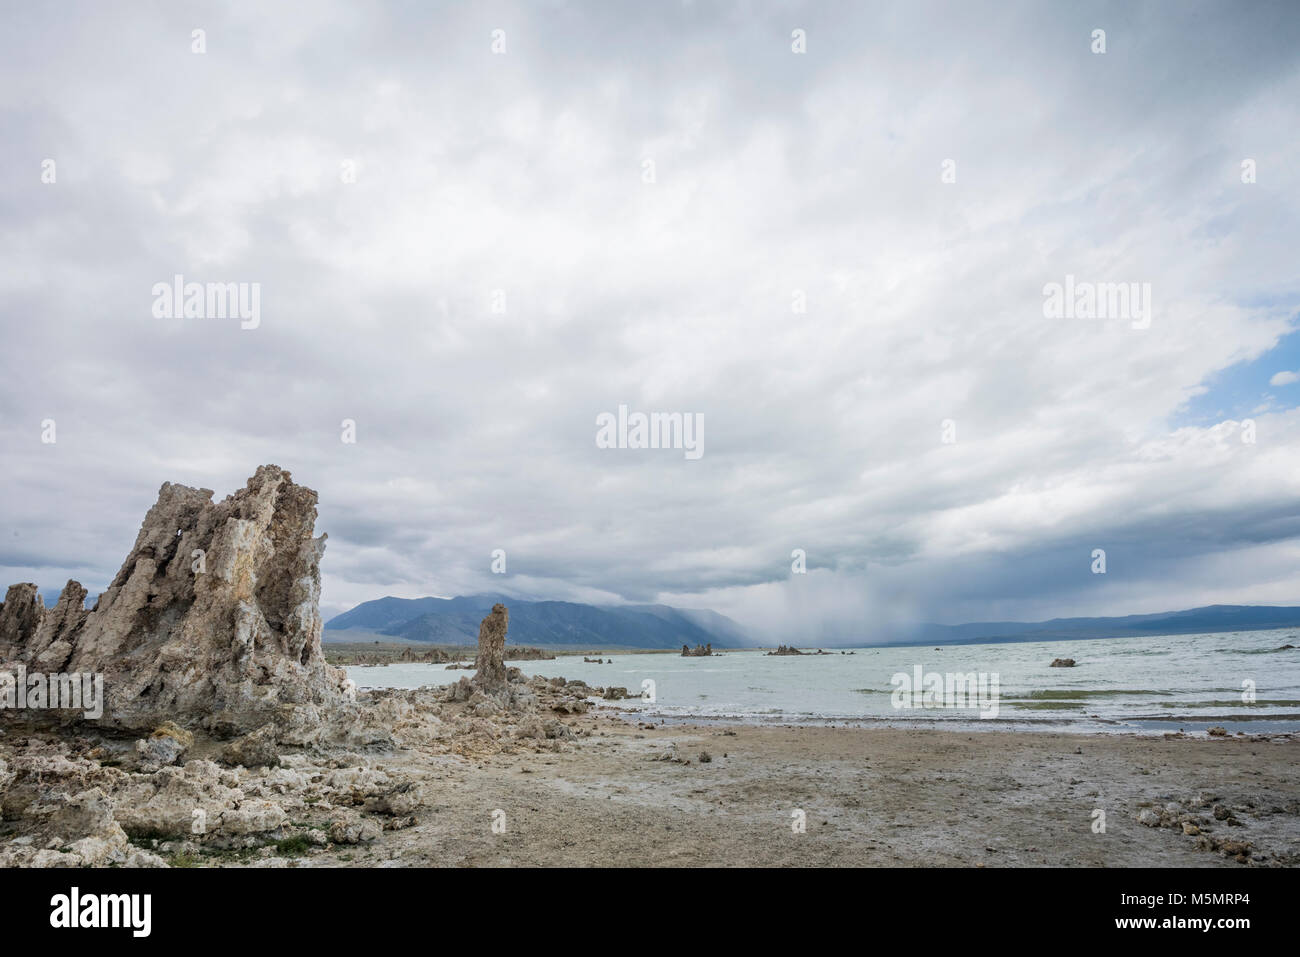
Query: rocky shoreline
pixel 454 656
pixel 86 799
pixel 221 728
pixel 220 736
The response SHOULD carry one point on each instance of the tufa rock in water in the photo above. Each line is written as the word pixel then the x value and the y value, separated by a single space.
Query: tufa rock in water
pixel 491 662
pixel 1062 663
pixel 212 620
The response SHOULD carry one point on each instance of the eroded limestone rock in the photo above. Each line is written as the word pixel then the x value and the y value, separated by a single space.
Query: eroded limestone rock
pixel 254 750
pixel 164 746
pixel 208 643
pixel 490 663
pixel 212 620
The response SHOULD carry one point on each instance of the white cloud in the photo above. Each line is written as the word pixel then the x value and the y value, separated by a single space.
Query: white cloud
pixel 775 173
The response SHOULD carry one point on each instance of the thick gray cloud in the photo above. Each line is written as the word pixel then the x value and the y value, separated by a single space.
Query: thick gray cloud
pixel 484 177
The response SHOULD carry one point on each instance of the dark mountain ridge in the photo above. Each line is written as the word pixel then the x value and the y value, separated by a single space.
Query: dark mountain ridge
pixel 456 621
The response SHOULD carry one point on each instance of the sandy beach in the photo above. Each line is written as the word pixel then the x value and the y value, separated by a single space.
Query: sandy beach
pixel 872 797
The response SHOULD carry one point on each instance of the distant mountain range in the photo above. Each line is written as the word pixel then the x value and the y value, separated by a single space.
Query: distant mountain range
pixel 1192 621
pixel 455 621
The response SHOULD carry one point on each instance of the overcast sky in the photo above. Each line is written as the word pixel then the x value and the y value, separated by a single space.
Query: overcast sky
pixel 518 179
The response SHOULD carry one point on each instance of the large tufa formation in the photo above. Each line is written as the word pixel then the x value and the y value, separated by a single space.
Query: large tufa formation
pixel 491 663
pixel 212 620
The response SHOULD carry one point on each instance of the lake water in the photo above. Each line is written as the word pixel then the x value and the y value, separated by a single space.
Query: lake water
pixel 1150 684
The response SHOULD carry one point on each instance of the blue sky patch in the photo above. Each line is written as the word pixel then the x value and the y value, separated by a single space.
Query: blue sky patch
pixel 1240 390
